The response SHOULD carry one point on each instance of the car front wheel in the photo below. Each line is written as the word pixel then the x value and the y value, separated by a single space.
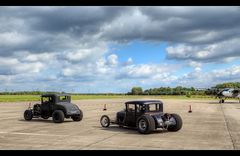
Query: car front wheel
pixel 105 121
pixel 28 115
pixel 76 118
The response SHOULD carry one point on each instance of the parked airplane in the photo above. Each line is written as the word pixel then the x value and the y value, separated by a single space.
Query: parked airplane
pixel 228 93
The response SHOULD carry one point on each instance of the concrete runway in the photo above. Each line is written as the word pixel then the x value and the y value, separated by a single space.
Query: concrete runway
pixel 210 126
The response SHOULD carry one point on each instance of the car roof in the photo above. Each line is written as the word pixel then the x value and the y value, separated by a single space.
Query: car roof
pixel 56 94
pixel 144 102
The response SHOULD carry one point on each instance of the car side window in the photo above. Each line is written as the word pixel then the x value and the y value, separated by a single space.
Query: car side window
pixel 131 107
pixel 152 107
pixel 45 99
pixel 138 108
pixel 143 108
pixel 50 99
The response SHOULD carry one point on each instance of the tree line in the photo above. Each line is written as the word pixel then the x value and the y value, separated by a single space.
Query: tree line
pixel 179 90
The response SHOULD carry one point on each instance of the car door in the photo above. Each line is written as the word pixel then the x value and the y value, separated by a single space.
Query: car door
pixel 51 105
pixel 47 106
pixel 130 115
pixel 139 111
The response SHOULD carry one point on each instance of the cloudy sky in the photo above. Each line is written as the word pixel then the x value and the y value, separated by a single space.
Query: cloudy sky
pixel 111 49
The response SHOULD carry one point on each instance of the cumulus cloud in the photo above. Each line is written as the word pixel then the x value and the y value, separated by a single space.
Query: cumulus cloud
pixel 221 51
pixel 92 70
pixel 85 55
pixel 128 62
pixel 71 44
pixel 195 25
pixel 194 64
pixel 29 57
pixel 203 79
pixel 12 38
pixel 227 74
pixel 58 29
pixel 12 66
pixel 146 71
pixel 112 60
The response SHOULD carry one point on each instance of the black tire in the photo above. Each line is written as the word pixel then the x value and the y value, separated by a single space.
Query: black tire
pixel 145 124
pixel 222 100
pixel 105 121
pixel 75 118
pixel 178 125
pixel 28 115
pixel 58 116
pixel 81 115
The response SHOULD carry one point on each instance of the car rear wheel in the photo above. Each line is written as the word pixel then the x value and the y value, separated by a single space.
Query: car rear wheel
pixel 145 124
pixel 81 115
pixel 75 118
pixel 58 116
pixel 105 121
pixel 28 115
pixel 78 117
pixel 178 123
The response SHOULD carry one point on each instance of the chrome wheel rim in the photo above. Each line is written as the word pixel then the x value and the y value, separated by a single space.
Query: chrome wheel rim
pixel 142 125
pixel 173 121
pixel 104 121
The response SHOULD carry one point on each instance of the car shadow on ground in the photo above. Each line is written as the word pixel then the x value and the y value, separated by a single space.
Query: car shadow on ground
pixel 224 103
pixel 217 102
pixel 43 120
pixel 129 130
pixel 203 102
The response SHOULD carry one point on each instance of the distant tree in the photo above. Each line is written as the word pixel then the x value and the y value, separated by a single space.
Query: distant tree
pixel 178 90
pixel 188 94
pixel 137 91
pixel 192 89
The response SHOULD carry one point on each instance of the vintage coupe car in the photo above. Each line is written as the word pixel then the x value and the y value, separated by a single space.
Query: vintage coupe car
pixel 57 106
pixel 146 116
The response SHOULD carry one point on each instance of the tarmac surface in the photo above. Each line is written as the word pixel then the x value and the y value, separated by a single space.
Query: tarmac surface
pixel 210 126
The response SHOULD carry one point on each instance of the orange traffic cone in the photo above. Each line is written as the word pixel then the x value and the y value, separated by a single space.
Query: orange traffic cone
pixel 190 109
pixel 105 108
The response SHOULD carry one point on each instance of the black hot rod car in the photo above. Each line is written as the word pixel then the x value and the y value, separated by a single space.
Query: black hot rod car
pixel 146 116
pixel 57 106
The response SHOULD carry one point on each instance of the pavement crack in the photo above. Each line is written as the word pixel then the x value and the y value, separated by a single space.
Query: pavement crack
pixel 101 140
pixel 227 125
